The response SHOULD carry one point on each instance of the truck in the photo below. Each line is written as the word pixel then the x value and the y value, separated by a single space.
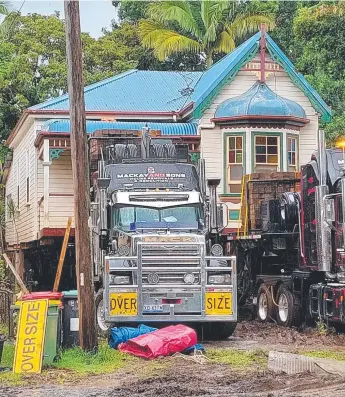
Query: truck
pixel 291 248
pixel 156 242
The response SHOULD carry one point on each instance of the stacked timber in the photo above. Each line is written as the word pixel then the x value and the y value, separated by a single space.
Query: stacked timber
pixel 259 187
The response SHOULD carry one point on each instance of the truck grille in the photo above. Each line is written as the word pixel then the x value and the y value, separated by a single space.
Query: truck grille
pixel 171 255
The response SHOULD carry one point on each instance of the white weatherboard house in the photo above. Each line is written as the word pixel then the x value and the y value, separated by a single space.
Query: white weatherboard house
pixel 250 112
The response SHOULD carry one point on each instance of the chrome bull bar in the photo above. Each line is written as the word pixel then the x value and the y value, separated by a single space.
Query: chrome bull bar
pixel 191 298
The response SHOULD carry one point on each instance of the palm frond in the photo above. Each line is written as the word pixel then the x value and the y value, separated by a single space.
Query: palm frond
pixel 226 43
pixel 175 11
pixel 332 9
pixel 247 24
pixel 4 8
pixel 165 42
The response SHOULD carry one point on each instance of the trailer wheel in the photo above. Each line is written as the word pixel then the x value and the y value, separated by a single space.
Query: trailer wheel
pixel 265 306
pixel 218 331
pixel 288 314
pixel 102 327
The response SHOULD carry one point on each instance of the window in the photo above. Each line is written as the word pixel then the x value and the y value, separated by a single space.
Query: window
pixel 234 215
pixel 266 153
pixel 292 153
pixel 235 163
pixel 27 178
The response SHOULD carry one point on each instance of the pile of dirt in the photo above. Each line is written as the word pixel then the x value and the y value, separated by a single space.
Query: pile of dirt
pixel 271 333
pixel 190 379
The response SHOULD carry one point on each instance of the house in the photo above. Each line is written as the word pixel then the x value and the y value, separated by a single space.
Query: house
pixel 250 112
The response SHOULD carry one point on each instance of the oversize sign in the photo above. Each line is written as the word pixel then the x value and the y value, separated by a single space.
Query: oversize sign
pixel 123 304
pixel 30 336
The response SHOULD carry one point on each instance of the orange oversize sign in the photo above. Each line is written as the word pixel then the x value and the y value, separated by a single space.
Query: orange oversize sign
pixel 30 336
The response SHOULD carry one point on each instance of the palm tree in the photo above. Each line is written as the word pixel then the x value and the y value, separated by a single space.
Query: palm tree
pixel 206 27
pixel 4 11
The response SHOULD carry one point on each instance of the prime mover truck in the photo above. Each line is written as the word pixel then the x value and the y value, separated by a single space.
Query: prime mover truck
pixel 291 247
pixel 157 252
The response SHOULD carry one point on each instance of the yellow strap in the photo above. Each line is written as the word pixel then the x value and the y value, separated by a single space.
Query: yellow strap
pixel 242 191
pixel 246 215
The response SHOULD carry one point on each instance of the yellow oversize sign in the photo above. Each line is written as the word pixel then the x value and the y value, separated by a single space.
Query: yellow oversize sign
pixel 30 336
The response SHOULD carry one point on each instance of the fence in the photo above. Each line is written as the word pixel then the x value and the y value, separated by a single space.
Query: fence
pixel 6 320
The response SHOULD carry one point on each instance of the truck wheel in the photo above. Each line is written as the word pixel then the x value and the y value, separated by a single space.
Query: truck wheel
pixel 102 327
pixel 218 331
pixel 264 306
pixel 288 314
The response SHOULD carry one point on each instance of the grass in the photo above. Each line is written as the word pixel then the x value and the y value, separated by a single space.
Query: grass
pixel 239 359
pixel 105 361
pixel 74 364
pixel 329 354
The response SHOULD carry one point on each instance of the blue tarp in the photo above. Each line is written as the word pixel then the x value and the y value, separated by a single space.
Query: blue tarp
pixel 123 334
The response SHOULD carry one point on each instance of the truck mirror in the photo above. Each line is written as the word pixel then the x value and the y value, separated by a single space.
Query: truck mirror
pixel 329 210
pixel 103 239
pixel 221 222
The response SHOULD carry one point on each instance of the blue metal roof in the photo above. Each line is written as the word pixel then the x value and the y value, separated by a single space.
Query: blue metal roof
pixel 319 104
pixel 134 91
pixel 259 100
pixel 223 69
pixel 189 129
pixel 138 91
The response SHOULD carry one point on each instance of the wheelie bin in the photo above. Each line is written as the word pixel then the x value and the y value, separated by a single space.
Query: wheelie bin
pixel 52 340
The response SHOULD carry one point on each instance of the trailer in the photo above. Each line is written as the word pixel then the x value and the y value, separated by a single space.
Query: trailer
pixel 290 246
pixel 157 252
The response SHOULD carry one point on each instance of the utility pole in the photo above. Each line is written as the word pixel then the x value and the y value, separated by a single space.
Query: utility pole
pixel 80 169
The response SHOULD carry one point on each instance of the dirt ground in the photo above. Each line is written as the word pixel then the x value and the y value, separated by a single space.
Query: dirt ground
pixel 181 376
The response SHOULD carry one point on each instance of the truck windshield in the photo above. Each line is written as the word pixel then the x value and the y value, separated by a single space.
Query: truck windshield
pixel 175 217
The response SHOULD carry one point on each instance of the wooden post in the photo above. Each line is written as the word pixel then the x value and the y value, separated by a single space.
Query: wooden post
pixel 16 275
pixel 62 255
pixel 80 169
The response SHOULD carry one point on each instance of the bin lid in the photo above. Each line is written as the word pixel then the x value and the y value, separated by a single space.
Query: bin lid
pixel 43 295
pixel 70 294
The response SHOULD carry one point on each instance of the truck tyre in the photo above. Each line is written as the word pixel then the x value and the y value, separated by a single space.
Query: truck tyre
pixel 102 327
pixel 288 314
pixel 265 306
pixel 218 331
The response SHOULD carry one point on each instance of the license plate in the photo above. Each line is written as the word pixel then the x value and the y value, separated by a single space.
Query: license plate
pixel 123 304
pixel 218 303
pixel 153 308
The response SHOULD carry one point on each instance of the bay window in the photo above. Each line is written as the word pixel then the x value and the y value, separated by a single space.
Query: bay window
pixel 266 157
pixel 234 163
pixel 292 144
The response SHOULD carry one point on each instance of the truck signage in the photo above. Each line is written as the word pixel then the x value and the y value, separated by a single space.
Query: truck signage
pixel 168 239
pixel 152 175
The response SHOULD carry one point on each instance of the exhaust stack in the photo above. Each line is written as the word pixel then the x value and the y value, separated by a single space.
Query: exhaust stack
pixel 323 231
pixel 212 185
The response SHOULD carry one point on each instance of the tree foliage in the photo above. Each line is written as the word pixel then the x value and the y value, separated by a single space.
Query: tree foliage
pixel 33 62
pixel 206 28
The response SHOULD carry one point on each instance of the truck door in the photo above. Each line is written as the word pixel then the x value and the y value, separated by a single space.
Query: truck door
pixel 338 232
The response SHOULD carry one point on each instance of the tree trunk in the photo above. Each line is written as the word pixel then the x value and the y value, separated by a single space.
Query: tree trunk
pixel 209 60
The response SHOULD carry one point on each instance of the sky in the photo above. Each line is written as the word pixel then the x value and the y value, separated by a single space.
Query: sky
pixel 94 14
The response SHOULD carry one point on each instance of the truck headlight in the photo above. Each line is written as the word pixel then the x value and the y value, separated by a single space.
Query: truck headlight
pixel 217 250
pixel 189 278
pixel 123 250
pixel 119 279
pixel 219 279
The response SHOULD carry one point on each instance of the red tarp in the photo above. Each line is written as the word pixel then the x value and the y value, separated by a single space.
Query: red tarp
pixel 163 342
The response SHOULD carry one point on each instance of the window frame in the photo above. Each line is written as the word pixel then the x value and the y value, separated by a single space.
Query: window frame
pixel 226 149
pixel 296 138
pixel 279 135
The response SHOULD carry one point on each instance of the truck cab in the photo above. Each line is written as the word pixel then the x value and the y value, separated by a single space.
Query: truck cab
pixel 154 234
